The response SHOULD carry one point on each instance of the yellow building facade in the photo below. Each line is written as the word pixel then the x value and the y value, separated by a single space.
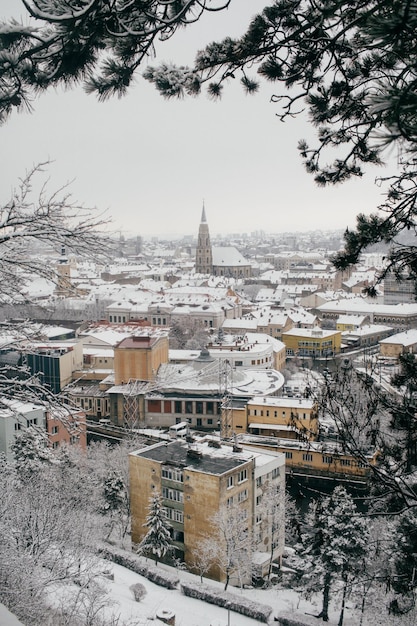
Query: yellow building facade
pixel 291 418
pixel 138 357
pixel 312 342
pixel 197 482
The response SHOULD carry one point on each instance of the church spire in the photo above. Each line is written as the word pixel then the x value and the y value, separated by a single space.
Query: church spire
pixel 203 215
pixel 204 255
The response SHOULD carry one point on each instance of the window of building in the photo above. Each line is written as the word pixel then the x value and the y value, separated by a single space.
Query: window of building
pixel 173 514
pixel 172 473
pixel 345 462
pixel 199 421
pixel 55 430
pixel 327 459
pixel 172 494
pixel 242 495
pixel 177 406
pixel 199 407
pixel 210 408
pixel 229 482
pixel 288 455
pixel 18 426
pixel 210 421
pixel 307 456
pixel 238 363
pixel 275 472
pixel 229 501
pixel 154 406
pixel 55 445
pixel 259 481
pixel 242 476
pixel 188 406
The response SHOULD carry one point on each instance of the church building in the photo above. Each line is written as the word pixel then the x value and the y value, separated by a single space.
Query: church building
pixel 218 261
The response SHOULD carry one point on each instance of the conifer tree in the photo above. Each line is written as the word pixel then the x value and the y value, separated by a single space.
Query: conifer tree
pixel 336 545
pixel 157 541
pixel 31 452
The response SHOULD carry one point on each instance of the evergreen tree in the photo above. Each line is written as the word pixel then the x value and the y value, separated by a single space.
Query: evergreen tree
pixel 404 580
pixel 31 452
pixel 404 412
pixel 114 496
pixel 336 545
pixel 157 541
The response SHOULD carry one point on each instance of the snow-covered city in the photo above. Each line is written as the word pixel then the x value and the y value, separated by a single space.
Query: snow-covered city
pixel 208 313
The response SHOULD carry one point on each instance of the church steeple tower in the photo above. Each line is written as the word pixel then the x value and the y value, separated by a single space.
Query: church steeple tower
pixel 204 256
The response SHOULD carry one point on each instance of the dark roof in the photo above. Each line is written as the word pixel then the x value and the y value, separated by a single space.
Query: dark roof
pixel 185 455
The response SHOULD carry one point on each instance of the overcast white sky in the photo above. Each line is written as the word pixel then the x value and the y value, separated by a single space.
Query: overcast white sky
pixel 152 162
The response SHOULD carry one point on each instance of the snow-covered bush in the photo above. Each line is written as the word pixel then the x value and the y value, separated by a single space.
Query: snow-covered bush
pixel 239 604
pixel 285 619
pixel 139 565
pixel 138 590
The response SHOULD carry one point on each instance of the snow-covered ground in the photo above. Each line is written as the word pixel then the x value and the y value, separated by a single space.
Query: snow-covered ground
pixel 192 612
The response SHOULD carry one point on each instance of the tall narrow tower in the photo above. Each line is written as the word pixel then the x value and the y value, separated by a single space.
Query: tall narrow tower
pixel 204 256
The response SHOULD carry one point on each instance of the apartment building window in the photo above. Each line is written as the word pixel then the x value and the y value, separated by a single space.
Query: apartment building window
pixel 275 472
pixel 288 455
pixel 229 501
pixel 242 495
pixel 18 426
pixel 275 413
pixel 229 482
pixel 55 430
pixel 173 473
pixel 345 462
pixel 242 476
pixel 210 408
pixel 259 481
pixel 199 407
pixel 238 363
pixel 258 518
pixel 209 421
pixel 327 459
pixel 173 514
pixel 172 494
pixel 177 406
pixel 55 445
pixel 307 456
pixel 188 406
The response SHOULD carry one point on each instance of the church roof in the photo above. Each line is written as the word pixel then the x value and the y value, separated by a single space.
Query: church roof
pixel 228 256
